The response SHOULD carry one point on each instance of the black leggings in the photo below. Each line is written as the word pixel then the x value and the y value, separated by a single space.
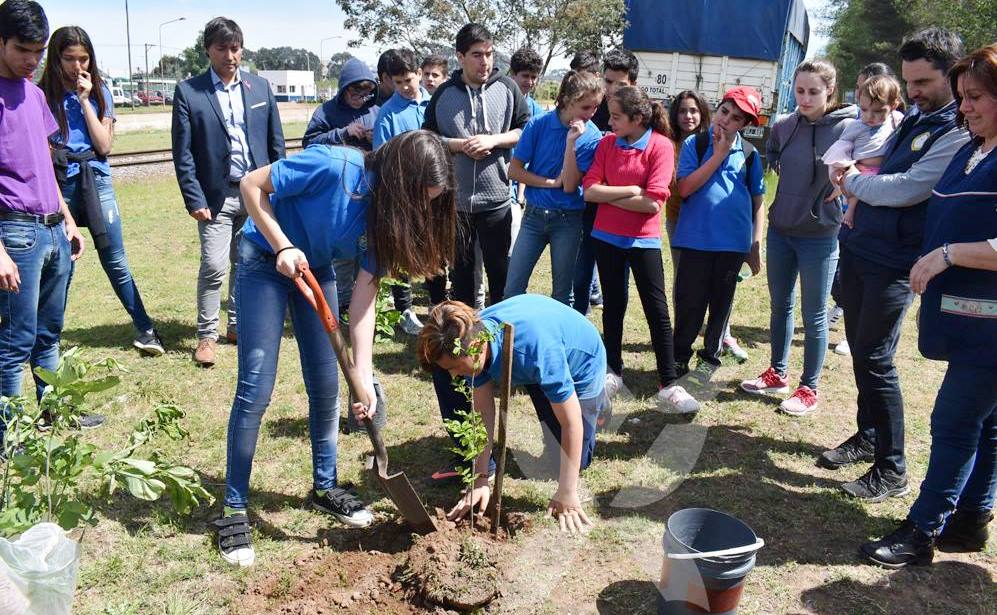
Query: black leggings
pixel 704 279
pixel 649 277
pixel 493 231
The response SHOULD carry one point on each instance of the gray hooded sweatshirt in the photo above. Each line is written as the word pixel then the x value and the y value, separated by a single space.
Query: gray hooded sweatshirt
pixel 458 111
pixel 796 144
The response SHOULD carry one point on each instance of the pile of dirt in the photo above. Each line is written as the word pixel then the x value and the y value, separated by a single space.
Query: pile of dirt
pixel 390 571
pixel 323 582
pixel 459 567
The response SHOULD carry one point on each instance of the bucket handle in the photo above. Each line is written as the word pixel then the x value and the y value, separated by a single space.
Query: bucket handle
pixel 758 544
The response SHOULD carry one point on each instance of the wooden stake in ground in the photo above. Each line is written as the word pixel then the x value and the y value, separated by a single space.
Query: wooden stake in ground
pixel 505 386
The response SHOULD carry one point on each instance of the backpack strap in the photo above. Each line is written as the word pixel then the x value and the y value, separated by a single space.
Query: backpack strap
pixel 703 142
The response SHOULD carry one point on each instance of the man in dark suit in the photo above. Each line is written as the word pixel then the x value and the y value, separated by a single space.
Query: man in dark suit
pixel 225 124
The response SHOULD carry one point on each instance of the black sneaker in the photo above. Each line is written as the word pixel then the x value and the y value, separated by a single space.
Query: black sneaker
pixel 235 540
pixel 855 449
pixel 149 343
pixel 906 545
pixel 876 485
pixel 91 421
pixel 342 504
pixel 965 532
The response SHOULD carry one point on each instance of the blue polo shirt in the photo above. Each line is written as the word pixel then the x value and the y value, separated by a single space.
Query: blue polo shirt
pixel 541 149
pixel 555 347
pixel 536 110
pixel 79 135
pixel 622 241
pixel 718 217
pixel 320 200
pixel 400 115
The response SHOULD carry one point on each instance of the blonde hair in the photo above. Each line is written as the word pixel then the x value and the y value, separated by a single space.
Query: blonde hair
pixel 575 86
pixel 447 323
pixel 882 89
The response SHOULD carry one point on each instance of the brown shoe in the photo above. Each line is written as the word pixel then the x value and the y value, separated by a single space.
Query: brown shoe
pixel 204 355
pixel 231 336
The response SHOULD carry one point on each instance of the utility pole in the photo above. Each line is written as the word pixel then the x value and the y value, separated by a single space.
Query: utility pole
pixel 128 34
pixel 147 45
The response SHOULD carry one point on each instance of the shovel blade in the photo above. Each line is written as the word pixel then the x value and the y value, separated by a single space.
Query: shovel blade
pixel 406 500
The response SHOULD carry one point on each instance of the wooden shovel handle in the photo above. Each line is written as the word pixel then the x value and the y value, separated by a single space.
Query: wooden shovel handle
pixel 312 291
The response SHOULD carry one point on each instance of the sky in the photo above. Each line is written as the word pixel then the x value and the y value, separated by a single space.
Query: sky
pixel 296 23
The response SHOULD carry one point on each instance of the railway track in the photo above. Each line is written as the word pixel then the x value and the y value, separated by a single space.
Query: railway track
pixel 161 156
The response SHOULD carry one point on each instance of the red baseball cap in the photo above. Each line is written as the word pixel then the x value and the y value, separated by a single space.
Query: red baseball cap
pixel 747 100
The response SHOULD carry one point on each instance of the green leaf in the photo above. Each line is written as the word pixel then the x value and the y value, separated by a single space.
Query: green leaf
pixel 143 488
pixel 144 466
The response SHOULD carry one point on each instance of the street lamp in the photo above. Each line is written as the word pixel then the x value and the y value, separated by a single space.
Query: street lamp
pixel 161 43
pixel 321 53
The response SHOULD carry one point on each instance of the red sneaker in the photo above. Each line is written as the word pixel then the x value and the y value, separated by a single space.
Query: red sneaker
pixel 801 403
pixel 769 383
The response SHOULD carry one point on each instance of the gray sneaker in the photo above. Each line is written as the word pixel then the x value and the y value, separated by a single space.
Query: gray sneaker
pixel 149 343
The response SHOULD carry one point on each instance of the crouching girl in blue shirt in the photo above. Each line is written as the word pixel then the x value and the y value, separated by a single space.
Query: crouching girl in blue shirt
pixel 557 356
pixel 310 209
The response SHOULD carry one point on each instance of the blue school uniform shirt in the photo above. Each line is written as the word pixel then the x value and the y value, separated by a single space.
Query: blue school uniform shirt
pixel 555 347
pixel 400 115
pixel 541 149
pixel 536 110
pixel 320 200
pixel 622 241
pixel 78 139
pixel 718 217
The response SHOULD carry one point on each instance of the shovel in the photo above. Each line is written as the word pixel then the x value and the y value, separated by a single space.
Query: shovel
pixel 397 485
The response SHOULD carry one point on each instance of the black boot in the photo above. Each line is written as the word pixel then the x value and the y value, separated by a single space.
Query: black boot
pixel 965 532
pixel 907 545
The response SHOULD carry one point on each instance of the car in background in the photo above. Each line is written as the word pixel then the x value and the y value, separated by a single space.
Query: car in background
pixel 150 98
pixel 121 99
pixel 166 96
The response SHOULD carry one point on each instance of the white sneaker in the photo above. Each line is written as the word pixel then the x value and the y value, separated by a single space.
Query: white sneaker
pixel 843 349
pixel 410 322
pixel 613 384
pixel 677 400
pixel 734 349
pixel 834 316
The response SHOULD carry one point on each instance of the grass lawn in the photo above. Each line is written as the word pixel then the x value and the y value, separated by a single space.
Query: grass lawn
pixel 145 140
pixel 738 455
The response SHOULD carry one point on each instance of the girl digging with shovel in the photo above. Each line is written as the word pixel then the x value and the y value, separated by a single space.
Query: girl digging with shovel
pixel 308 210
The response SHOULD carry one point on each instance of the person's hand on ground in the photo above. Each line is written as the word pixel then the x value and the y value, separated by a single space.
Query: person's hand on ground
pixel 476 498
pixel 569 513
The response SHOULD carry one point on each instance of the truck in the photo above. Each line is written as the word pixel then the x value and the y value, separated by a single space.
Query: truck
pixel 709 46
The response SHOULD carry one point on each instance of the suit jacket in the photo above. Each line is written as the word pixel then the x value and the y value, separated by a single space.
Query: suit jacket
pixel 201 150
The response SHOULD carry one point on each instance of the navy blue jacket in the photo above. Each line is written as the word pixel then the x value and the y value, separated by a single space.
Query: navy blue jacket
pixel 892 236
pixel 201 148
pixel 958 318
pixel 329 122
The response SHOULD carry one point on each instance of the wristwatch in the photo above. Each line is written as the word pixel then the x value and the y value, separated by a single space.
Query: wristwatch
pixel 945 255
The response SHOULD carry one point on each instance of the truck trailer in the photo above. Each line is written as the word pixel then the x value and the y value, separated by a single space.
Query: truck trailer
pixel 709 46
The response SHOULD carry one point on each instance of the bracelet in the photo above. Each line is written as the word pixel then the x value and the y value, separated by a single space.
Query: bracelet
pixel 277 253
pixel 945 255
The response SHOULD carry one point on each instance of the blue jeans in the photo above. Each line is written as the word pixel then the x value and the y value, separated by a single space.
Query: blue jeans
pixel 815 260
pixel 261 324
pixel 451 401
pixel 31 319
pixel 562 229
pixel 962 469
pixel 112 257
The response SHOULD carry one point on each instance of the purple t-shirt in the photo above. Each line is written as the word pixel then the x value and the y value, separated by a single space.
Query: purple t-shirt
pixel 27 181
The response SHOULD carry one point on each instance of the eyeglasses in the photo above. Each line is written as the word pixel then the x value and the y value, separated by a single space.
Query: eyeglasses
pixel 359 90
